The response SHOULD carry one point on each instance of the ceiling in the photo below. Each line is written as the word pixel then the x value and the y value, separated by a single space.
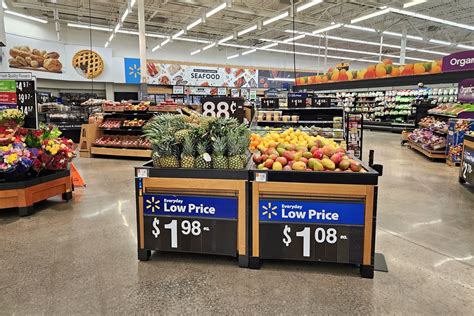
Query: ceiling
pixel 169 17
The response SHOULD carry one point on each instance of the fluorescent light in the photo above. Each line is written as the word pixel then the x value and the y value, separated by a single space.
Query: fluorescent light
pixel 178 34
pixel 465 46
pixel 268 46
pixel 29 17
pixel 247 30
pixel 413 3
pixel 418 38
pixel 371 15
pixel 308 5
pixel 295 38
pixel 332 27
pixel 225 39
pixel 276 18
pixel 433 19
pixel 249 52
pixel 439 42
pixel 153 35
pixel 4 5
pixel 236 45
pixel 106 44
pixel 195 52
pixel 360 28
pixel 111 37
pixel 216 9
pixel 155 48
pixel 282 79
pixel 85 26
pixel 132 3
pixel 233 56
pixel 429 51
pixel 166 41
pixel 191 40
pixel 116 28
pixel 195 23
pixel 209 46
pixel 128 32
pixel 124 16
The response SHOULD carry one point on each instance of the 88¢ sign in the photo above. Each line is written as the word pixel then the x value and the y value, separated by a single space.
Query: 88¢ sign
pixel 223 107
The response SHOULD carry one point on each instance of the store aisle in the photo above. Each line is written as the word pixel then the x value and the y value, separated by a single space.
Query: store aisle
pixel 81 258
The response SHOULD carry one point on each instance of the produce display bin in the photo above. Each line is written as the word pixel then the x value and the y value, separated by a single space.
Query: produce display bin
pixel 192 210
pixel 23 194
pixel 314 216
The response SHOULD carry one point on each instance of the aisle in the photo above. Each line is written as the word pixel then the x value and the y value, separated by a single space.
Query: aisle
pixel 81 258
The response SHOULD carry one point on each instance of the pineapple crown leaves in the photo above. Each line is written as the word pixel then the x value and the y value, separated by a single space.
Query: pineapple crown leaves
pixel 219 146
pixel 189 145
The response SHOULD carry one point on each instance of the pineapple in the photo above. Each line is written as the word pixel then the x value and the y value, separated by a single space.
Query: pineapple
pixel 201 161
pixel 233 149
pixel 180 135
pixel 168 152
pixel 156 160
pixel 187 158
pixel 219 160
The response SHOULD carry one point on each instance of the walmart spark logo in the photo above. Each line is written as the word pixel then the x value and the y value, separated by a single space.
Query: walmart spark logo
pixel 132 70
pixel 269 210
pixel 153 204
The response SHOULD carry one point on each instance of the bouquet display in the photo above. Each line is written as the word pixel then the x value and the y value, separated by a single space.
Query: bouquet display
pixel 10 120
pixel 15 158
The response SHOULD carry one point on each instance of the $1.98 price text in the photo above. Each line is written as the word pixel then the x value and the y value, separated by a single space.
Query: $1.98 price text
pixel 187 227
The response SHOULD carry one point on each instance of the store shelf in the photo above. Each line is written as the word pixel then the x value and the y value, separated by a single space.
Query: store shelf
pixel 305 108
pixel 123 152
pixel 433 154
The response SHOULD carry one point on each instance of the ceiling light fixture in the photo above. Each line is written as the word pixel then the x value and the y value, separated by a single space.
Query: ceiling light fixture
pixel 116 28
pixel 276 18
pixel 106 44
pixel 360 28
pixel 195 52
pixel 29 17
pixel 332 27
pixel 178 34
pixel 439 42
pixel 268 46
pixel 132 3
pixel 4 5
pixel 194 40
pixel 295 38
pixel 216 9
pixel 308 5
pixel 124 16
pixel 92 27
pixel 249 52
pixel 371 15
pixel 233 56
pixel 208 46
pixel 432 19
pixel 111 37
pixel 195 23
pixel 247 30
pixel 226 39
pixel 465 46
pixel 413 3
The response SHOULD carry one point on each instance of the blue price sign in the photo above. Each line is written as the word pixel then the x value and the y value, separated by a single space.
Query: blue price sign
pixel 328 212
pixel 190 206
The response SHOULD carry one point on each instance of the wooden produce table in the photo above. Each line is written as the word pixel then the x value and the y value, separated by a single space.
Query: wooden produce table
pixel 314 216
pixel 23 194
pixel 466 170
pixel 192 210
pixel 432 154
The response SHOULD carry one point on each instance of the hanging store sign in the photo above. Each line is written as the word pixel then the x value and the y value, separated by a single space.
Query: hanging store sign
pixel 175 74
pixel 312 230
pixel 466 91
pixel 223 107
pixel 459 61
pixel 202 224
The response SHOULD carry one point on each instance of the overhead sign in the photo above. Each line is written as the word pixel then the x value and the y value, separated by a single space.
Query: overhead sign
pixel 459 61
pixel 206 76
pixel 466 91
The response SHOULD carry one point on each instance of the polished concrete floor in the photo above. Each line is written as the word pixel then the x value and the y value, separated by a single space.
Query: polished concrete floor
pixel 80 258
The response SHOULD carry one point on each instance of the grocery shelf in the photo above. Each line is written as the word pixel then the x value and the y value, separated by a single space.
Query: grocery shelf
pixel 123 152
pixel 305 108
pixel 433 154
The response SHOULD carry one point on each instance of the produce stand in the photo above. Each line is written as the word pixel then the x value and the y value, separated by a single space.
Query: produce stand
pixel 192 210
pixel 314 216
pixel 432 154
pixel 466 171
pixel 23 194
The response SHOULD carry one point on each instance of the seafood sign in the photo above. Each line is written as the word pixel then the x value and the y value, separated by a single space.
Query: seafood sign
pixel 204 76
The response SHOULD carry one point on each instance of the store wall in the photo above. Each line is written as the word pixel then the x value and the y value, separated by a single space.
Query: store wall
pixel 127 46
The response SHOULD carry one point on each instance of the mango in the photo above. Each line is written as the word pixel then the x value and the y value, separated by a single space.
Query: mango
pixel 328 164
pixel 344 164
pixel 308 155
pixel 299 166
pixel 277 166
pixel 317 165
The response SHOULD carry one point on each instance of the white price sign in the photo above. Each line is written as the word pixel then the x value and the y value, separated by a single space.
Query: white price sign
pixel 223 107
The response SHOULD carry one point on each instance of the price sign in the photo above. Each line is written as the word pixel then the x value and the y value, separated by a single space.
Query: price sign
pixel 273 103
pixel 297 100
pixel 467 170
pixel 198 224
pixel 26 101
pixel 329 231
pixel 223 107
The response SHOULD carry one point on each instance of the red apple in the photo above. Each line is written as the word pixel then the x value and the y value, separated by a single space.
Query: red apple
pixel 257 158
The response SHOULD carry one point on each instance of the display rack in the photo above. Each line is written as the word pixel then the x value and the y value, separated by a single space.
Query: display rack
pixel 354 133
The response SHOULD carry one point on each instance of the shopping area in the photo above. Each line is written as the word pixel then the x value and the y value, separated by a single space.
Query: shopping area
pixel 236 157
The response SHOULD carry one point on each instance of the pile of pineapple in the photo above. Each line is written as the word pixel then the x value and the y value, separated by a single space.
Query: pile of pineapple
pixel 197 142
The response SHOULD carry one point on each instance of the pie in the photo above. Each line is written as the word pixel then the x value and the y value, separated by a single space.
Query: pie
pixel 88 63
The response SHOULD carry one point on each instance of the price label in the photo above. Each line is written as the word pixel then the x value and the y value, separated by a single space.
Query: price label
pixel 273 103
pixel 330 231
pixel 297 100
pixel 191 223
pixel 466 171
pixel 223 107
pixel 26 101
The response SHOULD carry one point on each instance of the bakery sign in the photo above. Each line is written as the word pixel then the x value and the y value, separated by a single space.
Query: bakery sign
pixel 204 76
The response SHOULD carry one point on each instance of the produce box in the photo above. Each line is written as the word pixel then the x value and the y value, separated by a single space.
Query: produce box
pixel 457 128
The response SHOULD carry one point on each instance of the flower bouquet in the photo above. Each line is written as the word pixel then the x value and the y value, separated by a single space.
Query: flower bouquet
pixel 15 160
pixel 10 120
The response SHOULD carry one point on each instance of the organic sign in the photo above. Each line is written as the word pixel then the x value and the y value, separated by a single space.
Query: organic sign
pixel 459 61
pixel 312 230
pixel 466 91
pixel 203 224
